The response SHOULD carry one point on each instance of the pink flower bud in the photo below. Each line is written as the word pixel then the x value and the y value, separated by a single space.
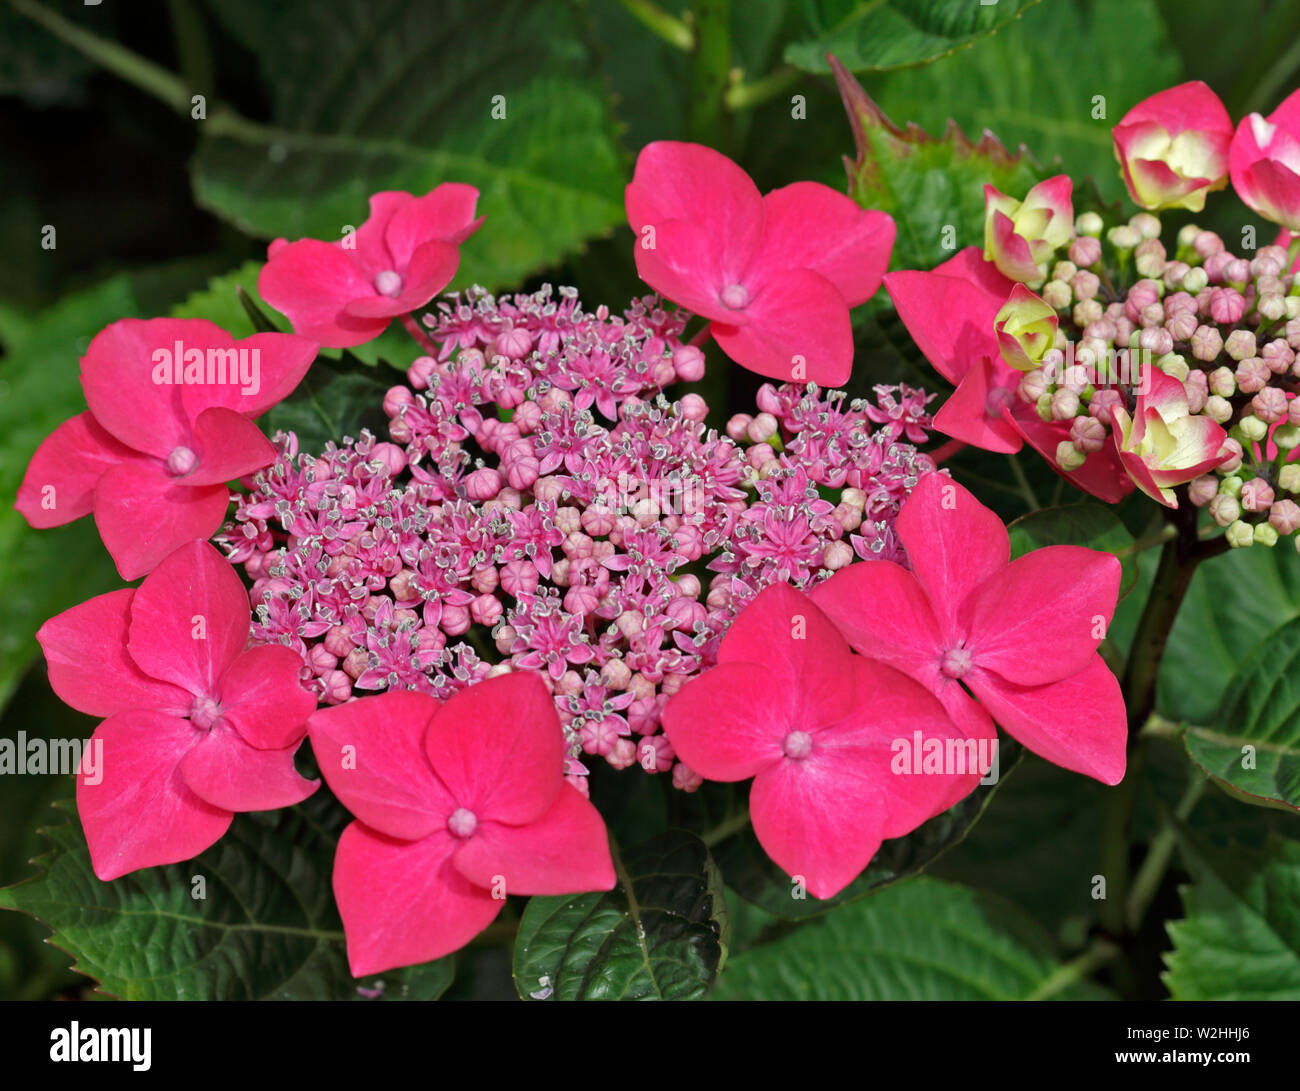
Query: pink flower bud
pixel 337 641
pixel 1233 450
pixel 655 754
pixel 1252 375
pixel 1203 489
pixel 688 361
pixel 762 428
pixel 1227 306
pixel 622 754
pixel 1270 405
pixel 395 398
pixel 486 609
pixel 483 484
pixel 685 778
pixel 738 425
pixel 336 686
pixel 1088 434
pixel 320 660
pixel 519 577
pixel 693 407
pixel 1284 517
pixel 522 472
pixel 1224 509
pixel 1085 251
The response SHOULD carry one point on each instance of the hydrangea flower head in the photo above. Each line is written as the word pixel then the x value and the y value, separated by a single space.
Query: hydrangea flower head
pixel 1020 237
pixel 197 727
pixel 170 421
pixel 775 274
pixel 1020 635
pixel 790 705
pixel 458 805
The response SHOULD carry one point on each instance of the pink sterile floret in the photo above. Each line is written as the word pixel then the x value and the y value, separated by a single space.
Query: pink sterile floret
pixel 790 705
pixel 1021 635
pixel 152 456
pixel 197 727
pixel 775 274
pixel 458 805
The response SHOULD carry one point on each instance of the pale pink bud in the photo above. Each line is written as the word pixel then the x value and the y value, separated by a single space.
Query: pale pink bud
pixel 1240 344
pixel 483 484
pixel 356 662
pixel 320 660
pixel 522 472
pixel 1207 343
pixel 1233 450
pixel 1181 325
pixel 1256 495
pixel 1227 306
pixel 655 754
pixel 1065 405
pixel 337 687
pixel 395 398
pixel 738 425
pixel 1270 405
pixel 527 417
pixel 688 361
pixel 1252 375
pixel 1088 434
pixel 337 641
pixel 422 369
pixel 1203 489
pixel 1224 509
pixel 622 754
pixel 760 453
pixel 1103 401
pixel 519 578
pixel 486 609
pixel 693 407
pixel 615 674
pixel 686 779
pixel 1085 251
pixel 1284 517
pixel 837 555
pixel 762 428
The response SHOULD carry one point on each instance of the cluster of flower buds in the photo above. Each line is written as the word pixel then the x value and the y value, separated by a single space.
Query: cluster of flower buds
pixel 542 506
pixel 1190 372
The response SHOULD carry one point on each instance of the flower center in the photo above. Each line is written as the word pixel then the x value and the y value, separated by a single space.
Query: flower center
pixel 798 745
pixel 735 296
pixel 956 662
pixel 389 283
pixel 204 713
pixel 181 461
pixel 462 823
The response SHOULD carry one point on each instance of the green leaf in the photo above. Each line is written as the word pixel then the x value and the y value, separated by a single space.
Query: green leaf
pixel 1260 710
pixel 1089 525
pixel 757 879
pixel 43 572
pixel 1037 82
pixel 1233 602
pixel 1241 936
pixel 369 95
pixel 266 929
pixel 920 940
pixel 933 188
pixel 874 35
pixel 661 934
pixel 332 401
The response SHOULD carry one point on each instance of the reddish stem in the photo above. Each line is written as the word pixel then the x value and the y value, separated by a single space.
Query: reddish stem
pixel 946 451
pixel 421 339
pixel 702 338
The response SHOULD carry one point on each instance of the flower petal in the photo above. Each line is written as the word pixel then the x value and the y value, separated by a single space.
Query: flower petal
pixel 59 485
pixel 190 619
pixel 1041 618
pixel 266 369
pixel 973 414
pixel 1078 723
pixel 499 748
pixel 225 771
pixel 446 214
pixel 263 699
pixel 404 902
pixel 85 650
pixel 143 515
pixel 311 282
pixel 229 446
pixel 140 813
pixel 371 754
pixel 566 851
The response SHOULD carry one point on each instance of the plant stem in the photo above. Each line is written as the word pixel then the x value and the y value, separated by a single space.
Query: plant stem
pixel 1152 872
pixel 662 23
pixel 1098 953
pixel 743 96
pixel 1026 490
pixel 1117 815
pixel 702 337
pixel 946 451
pixel 706 120
pixel 421 338
pixel 724 829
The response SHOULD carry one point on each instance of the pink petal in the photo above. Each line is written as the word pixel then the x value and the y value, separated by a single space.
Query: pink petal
pixel 783 630
pixel 404 902
pixel 883 613
pixel 730 721
pixel 282 359
pixel 141 814
pixel 371 754
pixel 370 253
pixel 499 747
pixel 263 699
pixel 809 226
pixel 117 377
pixel 566 851
pixel 689 182
pixel 797 330
pixel 682 267
pixel 446 214
pixel 85 649
pixel 1078 723
pixel 432 267
pixel 70 462
pixel 1009 251
pixel 822 819
pixel 953 542
pixel 1041 618
pixel 973 414
pixel 143 515
pixel 950 311
pixel 228 773
pixel 311 282
pixel 229 446
pixel 190 619
pixel 1101 475
pixel 1190 105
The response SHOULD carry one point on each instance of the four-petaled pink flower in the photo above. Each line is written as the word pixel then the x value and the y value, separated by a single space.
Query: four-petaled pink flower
pixel 775 275
pixel 197 728
pixel 1264 161
pixel 346 292
pixel 951 313
pixel 816 726
pixel 1173 147
pixel 457 805
pixel 1021 635
pixel 1021 236
pixel 171 407
pixel 1163 444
